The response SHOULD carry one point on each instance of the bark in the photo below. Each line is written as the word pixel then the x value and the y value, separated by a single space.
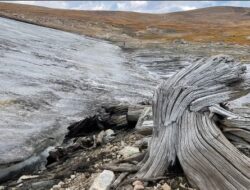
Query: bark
pixel 185 126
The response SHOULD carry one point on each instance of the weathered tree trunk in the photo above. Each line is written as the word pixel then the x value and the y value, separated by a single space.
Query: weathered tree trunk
pixel 185 129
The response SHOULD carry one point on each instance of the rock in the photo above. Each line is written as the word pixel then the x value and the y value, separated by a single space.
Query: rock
pixel 25 177
pixel 99 138
pixel 109 135
pixel 56 187
pixel 138 187
pixel 2 187
pixel 109 132
pixel 142 143
pixel 129 151
pixel 137 182
pixel 61 183
pixel 103 181
pixel 165 186
pixel 105 136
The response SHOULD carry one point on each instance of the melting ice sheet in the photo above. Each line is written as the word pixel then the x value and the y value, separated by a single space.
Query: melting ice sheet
pixel 51 78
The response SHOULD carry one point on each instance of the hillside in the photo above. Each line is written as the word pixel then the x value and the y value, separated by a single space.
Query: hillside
pixel 214 24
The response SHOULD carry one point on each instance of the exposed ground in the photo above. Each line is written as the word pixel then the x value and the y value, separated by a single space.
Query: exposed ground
pixel 76 163
pixel 78 169
pixel 215 24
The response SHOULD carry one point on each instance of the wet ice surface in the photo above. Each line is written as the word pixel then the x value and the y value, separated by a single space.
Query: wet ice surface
pixel 51 78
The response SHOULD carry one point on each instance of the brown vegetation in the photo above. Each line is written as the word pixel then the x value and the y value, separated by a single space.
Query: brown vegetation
pixel 215 24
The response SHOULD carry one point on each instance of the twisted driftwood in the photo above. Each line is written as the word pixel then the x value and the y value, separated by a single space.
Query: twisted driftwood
pixel 185 127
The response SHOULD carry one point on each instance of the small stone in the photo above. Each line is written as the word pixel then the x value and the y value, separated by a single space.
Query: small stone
pixel 109 135
pixel 137 182
pixel 72 176
pixel 109 132
pixel 55 187
pixel 61 183
pixel 142 143
pixel 129 151
pixel 100 138
pixel 157 187
pixel 138 187
pixel 165 186
pixel 114 148
pixel 103 181
pixel 96 165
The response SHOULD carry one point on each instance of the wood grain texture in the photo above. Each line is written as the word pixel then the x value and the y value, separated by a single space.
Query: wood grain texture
pixel 185 127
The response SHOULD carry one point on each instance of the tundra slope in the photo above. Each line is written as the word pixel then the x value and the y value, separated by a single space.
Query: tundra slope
pixel 213 24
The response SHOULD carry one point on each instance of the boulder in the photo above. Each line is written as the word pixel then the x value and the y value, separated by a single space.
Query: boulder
pixel 103 181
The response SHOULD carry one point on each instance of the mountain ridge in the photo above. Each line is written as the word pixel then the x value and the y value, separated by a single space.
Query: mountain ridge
pixel 212 24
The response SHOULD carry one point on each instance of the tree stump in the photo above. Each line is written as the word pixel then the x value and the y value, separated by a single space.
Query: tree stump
pixel 185 126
